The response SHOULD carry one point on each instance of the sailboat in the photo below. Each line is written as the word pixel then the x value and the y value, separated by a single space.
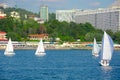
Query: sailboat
pixel 40 49
pixel 96 49
pixel 9 51
pixel 107 49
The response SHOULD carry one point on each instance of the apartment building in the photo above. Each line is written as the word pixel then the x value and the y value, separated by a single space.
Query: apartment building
pixel 65 15
pixel 102 18
pixel 44 13
pixel 105 19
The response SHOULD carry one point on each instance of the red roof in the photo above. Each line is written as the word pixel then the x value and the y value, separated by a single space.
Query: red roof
pixel 1 17
pixel 38 35
pixel 4 39
pixel 2 32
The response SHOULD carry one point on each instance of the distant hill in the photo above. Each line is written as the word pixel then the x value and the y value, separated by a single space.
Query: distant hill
pixel 22 12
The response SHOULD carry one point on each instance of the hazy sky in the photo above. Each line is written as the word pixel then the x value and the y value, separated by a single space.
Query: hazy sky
pixel 34 5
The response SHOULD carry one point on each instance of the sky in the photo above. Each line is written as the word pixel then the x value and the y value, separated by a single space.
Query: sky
pixel 53 5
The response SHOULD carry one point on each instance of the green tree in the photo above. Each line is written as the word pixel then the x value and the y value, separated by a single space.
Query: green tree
pixel 110 33
pixel 13 36
pixel 117 37
pixel 52 16
pixel 89 36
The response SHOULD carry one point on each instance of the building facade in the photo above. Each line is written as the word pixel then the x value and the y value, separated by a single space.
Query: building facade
pixel 65 15
pixel 38 36
pixel 102 18
pixel 2 14
pixel 3 36
pixel 15 14
pixel 44 14
pixel 105 19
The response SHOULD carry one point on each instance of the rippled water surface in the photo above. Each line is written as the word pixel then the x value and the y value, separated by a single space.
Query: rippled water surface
pixel 57 65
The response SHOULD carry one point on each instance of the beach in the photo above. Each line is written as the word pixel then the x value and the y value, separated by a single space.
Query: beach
pixel 33 45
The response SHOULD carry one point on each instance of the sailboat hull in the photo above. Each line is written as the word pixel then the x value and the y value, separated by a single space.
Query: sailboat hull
pixel 104 63
pixel 9 53
pixel 95 54
pixel 40 54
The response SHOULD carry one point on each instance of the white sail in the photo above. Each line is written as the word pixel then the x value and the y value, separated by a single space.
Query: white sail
pixel 107 49
pixel 9 51
pixel 95 49
pixel 40 50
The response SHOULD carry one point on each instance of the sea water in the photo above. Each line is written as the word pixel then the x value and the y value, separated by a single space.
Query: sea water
pixel 57 65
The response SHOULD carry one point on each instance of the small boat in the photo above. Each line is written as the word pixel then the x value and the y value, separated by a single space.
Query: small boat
pixel 106 50
pixel 96 49
pixel 9 51
pixel 40 49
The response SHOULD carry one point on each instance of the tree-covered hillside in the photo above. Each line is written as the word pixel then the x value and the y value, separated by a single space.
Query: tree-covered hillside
pixel 19 29
pixel 22 12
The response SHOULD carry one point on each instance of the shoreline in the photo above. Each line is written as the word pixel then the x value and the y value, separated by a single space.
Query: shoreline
pixel 48 46
pixel 55 48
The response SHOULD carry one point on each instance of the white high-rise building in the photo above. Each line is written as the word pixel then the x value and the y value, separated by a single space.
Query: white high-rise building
pixel 105 19
pixel 102 18
pixel 65 15
pixel 44 14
